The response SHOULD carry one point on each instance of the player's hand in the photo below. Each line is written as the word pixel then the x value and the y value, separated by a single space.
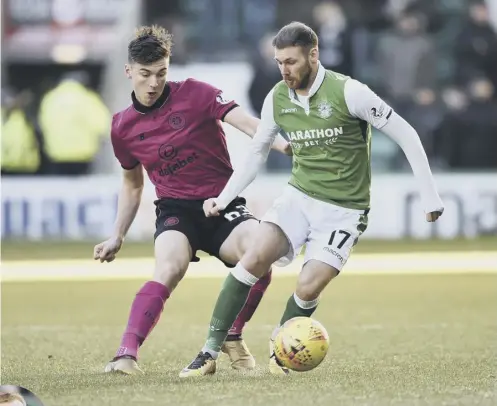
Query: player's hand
pixel 287 150
pixel 434 215
pixel 106 251
pixel 282 146
pixel 211 208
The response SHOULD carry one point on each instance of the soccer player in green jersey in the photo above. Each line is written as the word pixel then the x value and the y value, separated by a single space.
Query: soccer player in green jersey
pixel 328 119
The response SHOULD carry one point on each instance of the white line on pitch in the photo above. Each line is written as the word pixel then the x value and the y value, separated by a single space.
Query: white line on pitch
pixel 139 268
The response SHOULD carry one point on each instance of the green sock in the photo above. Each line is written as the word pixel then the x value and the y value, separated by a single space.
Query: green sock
pixel 294 310
pixel 229 303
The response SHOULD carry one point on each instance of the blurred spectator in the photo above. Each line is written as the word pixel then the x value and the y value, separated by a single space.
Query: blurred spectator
pixel 73 120
pixel 455 100
pixel 259 17
pixel 218 27
pixel 492 9
pixel 406 58
pixel 425 111
pixel 395 8
pixel 266 75
pixel 467 138
pixel 335 37
pixel 402 49
pixel 171 15
pixel 20 146
pixel 455 104
pixel 476 45
pixel 368 14
pixel 428 8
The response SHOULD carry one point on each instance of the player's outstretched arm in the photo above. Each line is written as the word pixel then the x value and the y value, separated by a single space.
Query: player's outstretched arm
pixel 127 207
pixel 363 103
pixel 407 138
pixel 255 158
pixel 248 124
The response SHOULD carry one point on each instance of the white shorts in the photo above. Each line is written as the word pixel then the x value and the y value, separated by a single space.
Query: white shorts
pixel 329 232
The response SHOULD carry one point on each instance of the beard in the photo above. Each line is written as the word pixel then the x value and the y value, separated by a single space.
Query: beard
pixel 306 76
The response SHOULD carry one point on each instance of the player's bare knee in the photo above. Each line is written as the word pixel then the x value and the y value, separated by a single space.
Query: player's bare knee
pixel 269 245
pixel 307 293
pixel 313 279
pixel 256 262
pixel 169 273
pixel 309 290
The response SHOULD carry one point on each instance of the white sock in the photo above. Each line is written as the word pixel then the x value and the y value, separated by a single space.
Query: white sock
pixel 303 304
pixel 214 354
pixel 244 276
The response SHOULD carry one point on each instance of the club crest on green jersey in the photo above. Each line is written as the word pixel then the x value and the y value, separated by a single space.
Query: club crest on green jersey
pixel 324 109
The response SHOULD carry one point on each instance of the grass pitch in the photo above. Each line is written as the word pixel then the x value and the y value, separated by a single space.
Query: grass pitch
pixel 395 340
pixel 48 250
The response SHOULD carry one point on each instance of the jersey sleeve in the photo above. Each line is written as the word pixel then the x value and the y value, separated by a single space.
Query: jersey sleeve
pixel 121 152
pixel 400 131
pixel 267 130
pixel 365 104
pixel 256 155
pixel 218 105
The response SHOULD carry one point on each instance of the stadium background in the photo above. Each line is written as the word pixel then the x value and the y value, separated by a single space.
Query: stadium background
pixel 435 62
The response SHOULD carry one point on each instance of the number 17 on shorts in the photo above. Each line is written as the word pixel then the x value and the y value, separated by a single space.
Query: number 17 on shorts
pixel 337 248
pixel 329 232
pixel 334 248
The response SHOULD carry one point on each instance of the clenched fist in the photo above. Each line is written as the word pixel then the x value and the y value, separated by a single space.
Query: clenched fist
pixel 211 208
pixel 106 251
pixel 434 215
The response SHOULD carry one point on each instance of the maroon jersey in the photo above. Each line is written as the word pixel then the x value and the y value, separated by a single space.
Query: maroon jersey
pixel 179 140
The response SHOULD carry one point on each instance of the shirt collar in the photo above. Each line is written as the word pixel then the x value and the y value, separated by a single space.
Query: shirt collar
pixel 315 86
pixel 140 108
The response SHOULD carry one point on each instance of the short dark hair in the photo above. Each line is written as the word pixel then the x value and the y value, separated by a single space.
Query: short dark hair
pixel 295 34
pixel 150 44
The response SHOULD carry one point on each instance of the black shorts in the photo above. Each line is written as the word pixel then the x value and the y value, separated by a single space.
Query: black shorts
pixel 203 233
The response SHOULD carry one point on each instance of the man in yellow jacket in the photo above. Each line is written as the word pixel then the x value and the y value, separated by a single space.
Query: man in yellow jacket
pixel 20 147
pixel 73 119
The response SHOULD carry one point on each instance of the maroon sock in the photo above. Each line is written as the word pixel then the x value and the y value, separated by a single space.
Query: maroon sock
pixel 144 315
pixel 253 300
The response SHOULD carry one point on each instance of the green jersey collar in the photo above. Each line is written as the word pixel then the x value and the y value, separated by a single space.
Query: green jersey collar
pixel 315 86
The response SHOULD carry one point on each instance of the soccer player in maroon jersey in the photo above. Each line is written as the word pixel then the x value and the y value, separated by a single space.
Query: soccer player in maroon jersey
pixel 173 130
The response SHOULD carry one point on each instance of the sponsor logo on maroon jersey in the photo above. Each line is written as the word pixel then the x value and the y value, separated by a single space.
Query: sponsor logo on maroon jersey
pixel 167 152
pixel 178 165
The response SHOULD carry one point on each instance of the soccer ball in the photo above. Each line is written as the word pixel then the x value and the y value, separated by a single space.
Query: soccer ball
pixel 301 344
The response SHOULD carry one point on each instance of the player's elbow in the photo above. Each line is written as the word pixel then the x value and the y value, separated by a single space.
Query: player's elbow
pixel 133 179
pixel 401 132
pixel 259 157
pixel 242 121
